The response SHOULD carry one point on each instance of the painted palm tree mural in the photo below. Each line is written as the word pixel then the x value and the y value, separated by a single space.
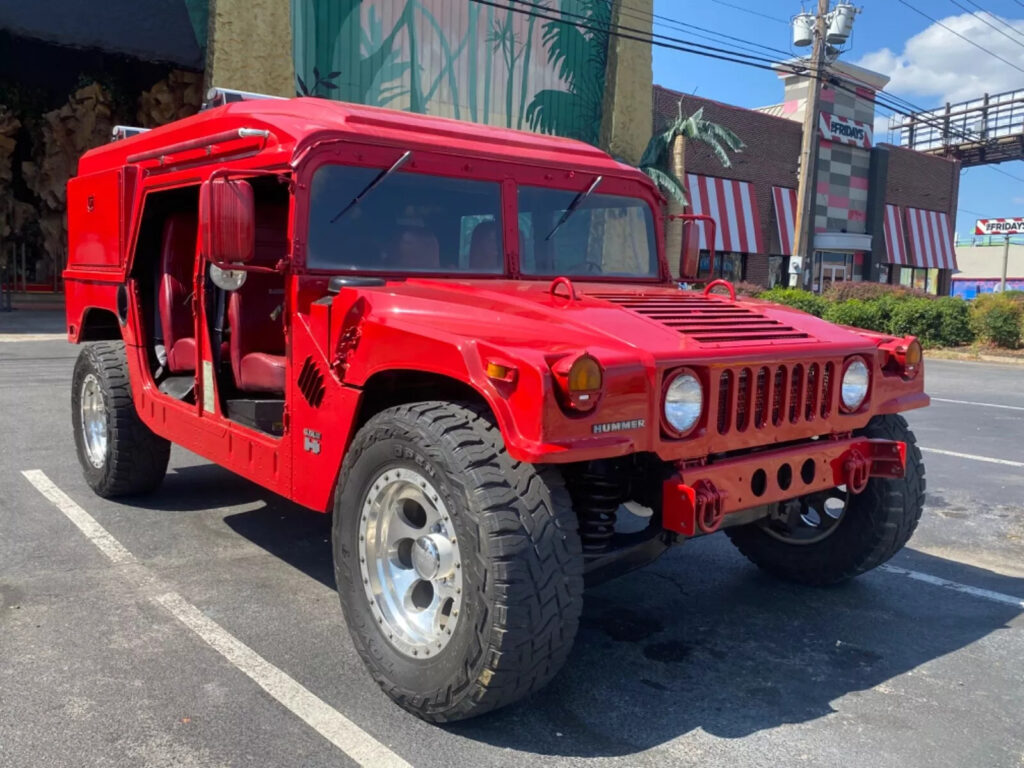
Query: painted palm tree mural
pixel 578 48
pixel 459 59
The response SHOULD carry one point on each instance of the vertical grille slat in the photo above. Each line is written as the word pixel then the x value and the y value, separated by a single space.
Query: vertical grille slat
pixel 772 396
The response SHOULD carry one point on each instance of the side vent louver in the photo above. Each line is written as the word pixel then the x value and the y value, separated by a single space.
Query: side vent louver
pixel 311 383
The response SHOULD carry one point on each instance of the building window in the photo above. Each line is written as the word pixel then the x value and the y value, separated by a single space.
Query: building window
pixel 922 279
pixel 728 266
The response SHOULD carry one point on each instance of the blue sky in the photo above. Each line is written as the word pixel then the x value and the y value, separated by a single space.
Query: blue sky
pixel 928 65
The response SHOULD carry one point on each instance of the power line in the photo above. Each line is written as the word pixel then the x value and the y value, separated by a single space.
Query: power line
pixel 750 11
pixel 965 39
pixel 710 34
pixel 997 17
pixel 985 21
pixel 537 10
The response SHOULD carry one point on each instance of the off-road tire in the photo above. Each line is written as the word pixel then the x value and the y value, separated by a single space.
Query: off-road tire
pixel 522 563
pixel 877 524
pixel 136 459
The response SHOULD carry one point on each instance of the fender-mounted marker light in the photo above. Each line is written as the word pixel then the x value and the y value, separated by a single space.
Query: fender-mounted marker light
pixel 500 372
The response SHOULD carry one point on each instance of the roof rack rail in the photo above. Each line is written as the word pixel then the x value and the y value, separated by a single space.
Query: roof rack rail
pixel 125 132
pixel 217 97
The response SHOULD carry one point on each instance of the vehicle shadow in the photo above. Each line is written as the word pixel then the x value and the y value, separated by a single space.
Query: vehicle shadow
pixel 702 639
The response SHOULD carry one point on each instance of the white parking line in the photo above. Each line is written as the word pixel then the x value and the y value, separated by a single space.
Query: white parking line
pixel 318 714
pixel 972 402
pixel 984 594
pixel 972 457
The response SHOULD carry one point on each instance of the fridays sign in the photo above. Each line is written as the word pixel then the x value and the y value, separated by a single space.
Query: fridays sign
pixel 844 131
pixel 999 226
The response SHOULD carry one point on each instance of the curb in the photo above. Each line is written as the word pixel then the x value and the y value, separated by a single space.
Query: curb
pixel 973 357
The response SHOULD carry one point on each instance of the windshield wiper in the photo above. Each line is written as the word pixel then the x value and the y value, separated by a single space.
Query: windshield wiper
pixel 373 184
pixel 576 203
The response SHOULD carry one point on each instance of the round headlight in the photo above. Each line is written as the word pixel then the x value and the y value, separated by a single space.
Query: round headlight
pixel 684 401
pixel 855 384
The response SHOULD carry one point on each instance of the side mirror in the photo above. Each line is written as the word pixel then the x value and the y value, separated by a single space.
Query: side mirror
pixel 227 220
pixel 698 229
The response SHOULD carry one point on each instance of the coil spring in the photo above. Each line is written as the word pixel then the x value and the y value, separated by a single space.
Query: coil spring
pixel 596 499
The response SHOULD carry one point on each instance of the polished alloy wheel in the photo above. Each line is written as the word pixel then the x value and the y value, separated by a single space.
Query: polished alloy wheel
pixel 94 421
pixel 810 518
pixel 410 563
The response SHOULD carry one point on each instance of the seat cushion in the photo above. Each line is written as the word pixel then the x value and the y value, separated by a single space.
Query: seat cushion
pixel 181 356
pixel 260 372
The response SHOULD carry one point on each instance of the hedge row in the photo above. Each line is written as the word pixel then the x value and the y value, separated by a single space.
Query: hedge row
pixel 937 322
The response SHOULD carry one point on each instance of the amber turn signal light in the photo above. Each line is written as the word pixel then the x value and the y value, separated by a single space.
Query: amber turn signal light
pixel 580 382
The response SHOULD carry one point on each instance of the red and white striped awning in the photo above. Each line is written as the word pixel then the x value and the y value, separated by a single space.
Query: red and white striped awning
pixel 931 239
pixel 784 200
pixel 895 239
pixel 734 208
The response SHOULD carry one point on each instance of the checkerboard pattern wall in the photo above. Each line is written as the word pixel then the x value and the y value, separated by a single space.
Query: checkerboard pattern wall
pixel 841 201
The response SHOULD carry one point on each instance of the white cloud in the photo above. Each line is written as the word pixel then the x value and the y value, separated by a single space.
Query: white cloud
pixel 937 66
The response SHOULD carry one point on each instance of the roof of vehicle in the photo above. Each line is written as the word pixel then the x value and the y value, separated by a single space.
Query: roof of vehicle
pixel 295 123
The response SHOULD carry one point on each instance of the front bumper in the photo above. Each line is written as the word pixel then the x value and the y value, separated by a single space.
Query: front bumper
pixel 696 499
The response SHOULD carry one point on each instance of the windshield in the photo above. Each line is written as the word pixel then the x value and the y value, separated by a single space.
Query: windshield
pixel 607 235
pixel 407 222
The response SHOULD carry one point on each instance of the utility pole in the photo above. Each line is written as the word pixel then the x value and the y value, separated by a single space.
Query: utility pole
pixel 803 246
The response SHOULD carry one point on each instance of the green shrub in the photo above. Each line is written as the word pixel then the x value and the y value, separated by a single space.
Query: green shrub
pixel 869 315
pixel 941 322
pixel 798 299
pixel 997 319
pixel 866 291
pixel 954 321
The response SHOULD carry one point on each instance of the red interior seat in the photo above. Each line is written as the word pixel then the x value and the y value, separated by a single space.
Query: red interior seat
pixel 257 326
pixel 177 259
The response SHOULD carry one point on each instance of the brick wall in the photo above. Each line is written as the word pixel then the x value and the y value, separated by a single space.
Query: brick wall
pixel 917 180
pixel 769 158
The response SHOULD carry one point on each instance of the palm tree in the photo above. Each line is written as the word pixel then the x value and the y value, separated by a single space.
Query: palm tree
pixel 657 158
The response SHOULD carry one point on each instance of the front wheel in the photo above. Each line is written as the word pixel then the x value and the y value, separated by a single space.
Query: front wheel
pixel 120 455
pixel 459 570
pixel 832 537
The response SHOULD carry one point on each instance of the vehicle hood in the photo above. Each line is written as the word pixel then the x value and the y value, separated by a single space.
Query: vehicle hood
pixel 660 320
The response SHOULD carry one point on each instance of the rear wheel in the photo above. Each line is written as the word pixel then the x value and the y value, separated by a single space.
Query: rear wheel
pixel 829 537
pixel 459 569
pixel 119 454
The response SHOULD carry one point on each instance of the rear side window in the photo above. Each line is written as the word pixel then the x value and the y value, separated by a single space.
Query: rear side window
pixel 409 222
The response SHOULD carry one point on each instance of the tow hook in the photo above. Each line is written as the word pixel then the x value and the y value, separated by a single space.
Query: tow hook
pixel 708 506
pixel 856 471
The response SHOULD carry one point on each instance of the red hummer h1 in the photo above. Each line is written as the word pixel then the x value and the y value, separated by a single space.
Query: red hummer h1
pixel 467 344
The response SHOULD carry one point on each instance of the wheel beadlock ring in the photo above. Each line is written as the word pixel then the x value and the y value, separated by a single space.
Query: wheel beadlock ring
pixel 409 562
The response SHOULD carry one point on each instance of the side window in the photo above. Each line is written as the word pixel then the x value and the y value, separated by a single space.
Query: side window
pixel 405 222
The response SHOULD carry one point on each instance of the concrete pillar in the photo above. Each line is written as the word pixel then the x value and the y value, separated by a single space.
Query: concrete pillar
pixel 627 107
pixel 249 47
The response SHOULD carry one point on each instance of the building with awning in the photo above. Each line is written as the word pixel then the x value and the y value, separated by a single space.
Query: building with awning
pixel 882 213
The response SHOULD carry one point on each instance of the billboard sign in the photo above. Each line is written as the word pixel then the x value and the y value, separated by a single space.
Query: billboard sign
pixel 999 226
pixel 844 131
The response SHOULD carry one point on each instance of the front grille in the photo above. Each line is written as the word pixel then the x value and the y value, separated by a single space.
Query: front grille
pixel 707 320
pixel 768 396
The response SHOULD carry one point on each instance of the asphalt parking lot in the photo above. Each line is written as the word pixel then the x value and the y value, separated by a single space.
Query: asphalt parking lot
pixel 199 626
